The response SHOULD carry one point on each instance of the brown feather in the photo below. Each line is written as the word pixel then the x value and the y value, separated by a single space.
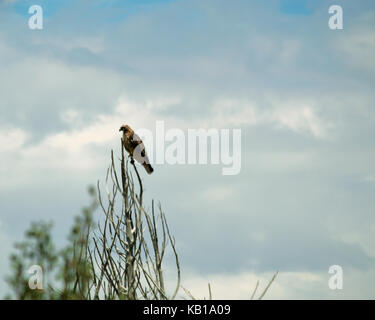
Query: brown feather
pixel 135 147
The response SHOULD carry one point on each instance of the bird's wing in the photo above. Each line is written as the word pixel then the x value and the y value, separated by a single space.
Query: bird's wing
pixel 139 151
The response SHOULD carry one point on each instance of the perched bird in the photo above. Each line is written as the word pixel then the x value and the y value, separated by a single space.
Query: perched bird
pixel 135 147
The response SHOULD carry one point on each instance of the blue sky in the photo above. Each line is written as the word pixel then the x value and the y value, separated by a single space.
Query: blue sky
pixel 124 7
pixel 296 7
pixel 301 94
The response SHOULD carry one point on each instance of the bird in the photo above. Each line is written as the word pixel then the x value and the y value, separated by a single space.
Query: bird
pixel 135 147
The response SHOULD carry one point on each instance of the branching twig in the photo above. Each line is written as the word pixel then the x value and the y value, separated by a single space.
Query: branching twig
pixel 127 258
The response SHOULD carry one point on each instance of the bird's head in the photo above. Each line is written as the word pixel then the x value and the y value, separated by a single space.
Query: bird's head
pixel 125 128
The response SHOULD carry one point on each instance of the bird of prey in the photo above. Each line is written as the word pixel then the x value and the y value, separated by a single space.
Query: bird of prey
pixel 135 147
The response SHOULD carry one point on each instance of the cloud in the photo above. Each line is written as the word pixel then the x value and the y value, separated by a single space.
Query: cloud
pixel 369 178
pixel 299 117
pixel 12 139
pixel 300 93
pixel 49 88
pixel 287 285
pixel 73 148
pixel 358 44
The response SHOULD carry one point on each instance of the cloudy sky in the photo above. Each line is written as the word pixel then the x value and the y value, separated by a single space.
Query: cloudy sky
pixel 301 93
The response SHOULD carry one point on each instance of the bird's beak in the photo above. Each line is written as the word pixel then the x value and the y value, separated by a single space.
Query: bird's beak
pixel 121 129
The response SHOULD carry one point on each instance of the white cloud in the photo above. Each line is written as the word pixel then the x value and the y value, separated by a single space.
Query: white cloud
pixel 217 193
pixel 300 119
pixel 69 150
pixel 12 139
pixel 241 286
pixel 75 148
pixel 362 236
pixel 287 285
pixel 298 116
pixel 281 161
pixel 369 178
pixel 357 44
pixel 70 116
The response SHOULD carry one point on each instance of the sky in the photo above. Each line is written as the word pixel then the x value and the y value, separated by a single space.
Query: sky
pixel 301 93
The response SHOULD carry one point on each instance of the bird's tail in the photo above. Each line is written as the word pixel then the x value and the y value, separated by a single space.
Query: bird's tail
pixel 148 168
